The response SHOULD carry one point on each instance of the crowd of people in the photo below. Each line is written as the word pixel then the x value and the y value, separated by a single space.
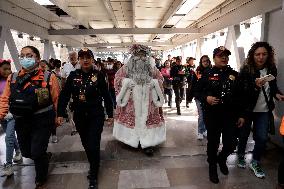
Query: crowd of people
pixel 87 92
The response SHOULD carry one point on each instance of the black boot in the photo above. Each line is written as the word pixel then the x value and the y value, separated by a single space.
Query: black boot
pixel 213 175
pixel 223 166
pixel 149 151
pixel 170 104
pixel 178 111
pixel 93 184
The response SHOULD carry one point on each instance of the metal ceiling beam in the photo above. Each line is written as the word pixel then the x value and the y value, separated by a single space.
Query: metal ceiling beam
pixel 128 44
pixel 133 13
pixel 116 31
pixel 109 9
pixel 110 12
pixel 171 11
pixel 231 14
pixel 21 24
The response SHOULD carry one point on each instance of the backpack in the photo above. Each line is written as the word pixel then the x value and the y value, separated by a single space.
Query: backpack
pixel 27 101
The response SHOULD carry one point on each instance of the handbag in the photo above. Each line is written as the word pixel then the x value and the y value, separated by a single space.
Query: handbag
pixel 271 125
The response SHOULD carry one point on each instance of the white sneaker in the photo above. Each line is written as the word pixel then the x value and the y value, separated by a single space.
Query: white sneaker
pixel 54 139
pixel 7 170
pixel 200 136
pixel 205 133
pixel 18 157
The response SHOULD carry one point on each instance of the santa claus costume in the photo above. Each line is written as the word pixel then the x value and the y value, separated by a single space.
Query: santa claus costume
pixel 139 96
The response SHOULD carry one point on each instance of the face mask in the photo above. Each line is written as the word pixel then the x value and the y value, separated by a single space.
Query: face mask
pixel 109 67
pixel 27 63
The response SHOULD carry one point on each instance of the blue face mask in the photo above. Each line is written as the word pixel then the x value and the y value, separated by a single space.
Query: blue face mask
pixel 27 63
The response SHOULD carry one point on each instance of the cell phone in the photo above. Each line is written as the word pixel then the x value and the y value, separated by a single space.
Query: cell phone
pixel 267 78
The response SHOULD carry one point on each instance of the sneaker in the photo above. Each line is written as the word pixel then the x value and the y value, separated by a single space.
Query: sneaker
pixel 255 167
pixel 241 162
pixel 54 139
pixel 205 134
pixel 18 157
pixel 7 170
pixel 200 136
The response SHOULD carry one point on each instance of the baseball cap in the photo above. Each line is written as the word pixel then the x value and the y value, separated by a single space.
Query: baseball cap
pixel 85 52
pixel 221 50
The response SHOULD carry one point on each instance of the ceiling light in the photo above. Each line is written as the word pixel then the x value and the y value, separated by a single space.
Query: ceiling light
pixel 43 2
pixel 187 6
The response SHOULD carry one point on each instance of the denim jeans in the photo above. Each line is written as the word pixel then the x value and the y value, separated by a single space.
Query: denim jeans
pixel 10 139
pixel 201 124
pixel 260 134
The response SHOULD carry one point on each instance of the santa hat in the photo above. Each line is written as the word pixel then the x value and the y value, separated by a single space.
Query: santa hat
pixel 134 49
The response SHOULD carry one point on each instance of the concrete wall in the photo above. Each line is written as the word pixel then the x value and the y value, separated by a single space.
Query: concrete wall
pixel 275 38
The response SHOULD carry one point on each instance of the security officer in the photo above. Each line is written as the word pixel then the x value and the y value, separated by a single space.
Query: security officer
pixel 88 88
pixel 178 74
pixel 220 91
pixel 31 96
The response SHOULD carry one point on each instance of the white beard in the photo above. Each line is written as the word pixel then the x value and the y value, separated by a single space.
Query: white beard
pixel 140 70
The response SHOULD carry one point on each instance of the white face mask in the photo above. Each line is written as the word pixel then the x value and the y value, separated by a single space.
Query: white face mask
pixel 109 66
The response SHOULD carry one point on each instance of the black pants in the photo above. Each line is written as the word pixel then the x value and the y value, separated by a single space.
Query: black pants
pixel 90 128
pixel 169 92
pixel 33 135
pixel 179 92
pixel 216 124
pixel 113 97
pixel 189 94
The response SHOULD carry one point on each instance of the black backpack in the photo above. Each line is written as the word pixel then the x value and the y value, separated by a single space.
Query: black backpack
pixel 26 101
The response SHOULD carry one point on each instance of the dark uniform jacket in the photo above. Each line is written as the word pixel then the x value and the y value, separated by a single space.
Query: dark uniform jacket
pixel 223 84
pixel 252 91
pixel 95 90
pixel 178 79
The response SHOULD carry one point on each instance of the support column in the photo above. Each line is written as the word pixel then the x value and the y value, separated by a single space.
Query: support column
pixel 199 43
pixel 52 52
pixel 231 41
pixel 2 41
pixel 265 26
pixel 12 48
pixel 46 51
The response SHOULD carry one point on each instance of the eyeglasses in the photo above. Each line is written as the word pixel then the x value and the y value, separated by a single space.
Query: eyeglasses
pixel 26 56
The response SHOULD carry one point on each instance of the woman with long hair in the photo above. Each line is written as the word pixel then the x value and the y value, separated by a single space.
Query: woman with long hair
pixel 8 125
pixel 204 64
pixel 259 63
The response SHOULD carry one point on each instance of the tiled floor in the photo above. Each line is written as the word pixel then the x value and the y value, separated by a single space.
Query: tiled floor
pixel 179 163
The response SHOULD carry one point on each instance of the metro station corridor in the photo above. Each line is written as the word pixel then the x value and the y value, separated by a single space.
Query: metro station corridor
pixel 179 163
